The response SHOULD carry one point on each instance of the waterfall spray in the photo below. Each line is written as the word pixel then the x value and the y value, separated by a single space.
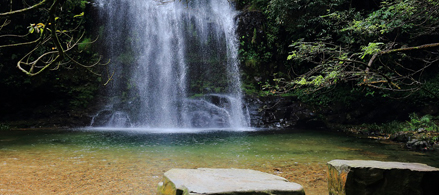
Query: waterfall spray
pixel 176 64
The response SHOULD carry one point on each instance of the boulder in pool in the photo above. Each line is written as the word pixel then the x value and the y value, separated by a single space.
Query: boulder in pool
pixel 364 177
pixel 225 182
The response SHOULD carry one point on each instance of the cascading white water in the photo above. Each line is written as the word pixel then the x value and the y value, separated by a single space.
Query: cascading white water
pixel 165 53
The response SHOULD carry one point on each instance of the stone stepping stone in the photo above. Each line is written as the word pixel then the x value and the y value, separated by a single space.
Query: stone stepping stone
pixel 225 181
pixel 358 177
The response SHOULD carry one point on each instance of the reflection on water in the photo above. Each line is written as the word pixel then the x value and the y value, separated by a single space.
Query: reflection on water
pixel 133 161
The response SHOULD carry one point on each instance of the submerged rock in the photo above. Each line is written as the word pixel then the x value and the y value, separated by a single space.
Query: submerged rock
pixel 357 177
pixel 402 136
pixel 225 181
pixel 420 140
pixel 418 145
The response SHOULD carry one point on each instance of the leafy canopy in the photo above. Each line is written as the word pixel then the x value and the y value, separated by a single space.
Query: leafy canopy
pixel 389 48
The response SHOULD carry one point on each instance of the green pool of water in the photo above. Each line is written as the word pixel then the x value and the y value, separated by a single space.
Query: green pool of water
pixel 249 146
pixel 140 157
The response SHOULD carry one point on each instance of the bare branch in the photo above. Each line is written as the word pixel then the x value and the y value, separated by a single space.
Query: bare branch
pixel 11 13
pixel 410 48
pixel 5 23
pixel 21 44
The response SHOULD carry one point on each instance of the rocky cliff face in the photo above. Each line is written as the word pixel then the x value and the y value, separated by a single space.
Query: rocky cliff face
pixel 289 112
pixel 281 112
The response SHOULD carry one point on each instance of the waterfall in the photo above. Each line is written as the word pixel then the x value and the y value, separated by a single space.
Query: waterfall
pixel 174 64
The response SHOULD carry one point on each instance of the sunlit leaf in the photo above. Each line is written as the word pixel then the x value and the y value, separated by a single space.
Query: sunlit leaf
pixel 79 15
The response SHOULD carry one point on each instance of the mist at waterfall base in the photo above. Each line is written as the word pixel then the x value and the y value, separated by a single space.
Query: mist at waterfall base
pixel 174 66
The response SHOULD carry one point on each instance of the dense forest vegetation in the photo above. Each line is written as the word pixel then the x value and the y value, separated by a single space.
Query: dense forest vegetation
pixel 48 66
pixel 338 54
pixel 344 52
pixel 378 48
pixel 368 62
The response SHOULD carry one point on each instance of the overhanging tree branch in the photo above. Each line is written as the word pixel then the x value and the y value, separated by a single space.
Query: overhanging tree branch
pixel 374 56
pixel 21 11
pixel 425 46
pixel 50 50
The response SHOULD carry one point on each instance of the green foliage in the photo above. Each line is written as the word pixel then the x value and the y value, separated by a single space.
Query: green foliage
pixel 368 48
pixel 385 128
pixel 428 91
pixel 415 123
pixel 82 96
pixel 66 87
pixel 403 15
pixel 425 122
pixel 263 48
pixel 4 127
pixel 371 49
pixel 38 28
pixel 76 4
pixel 85 44
pixel 250 89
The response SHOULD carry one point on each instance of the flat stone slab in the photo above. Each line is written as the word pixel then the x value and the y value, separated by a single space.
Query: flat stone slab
pixel 357 177
pixel 225 181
